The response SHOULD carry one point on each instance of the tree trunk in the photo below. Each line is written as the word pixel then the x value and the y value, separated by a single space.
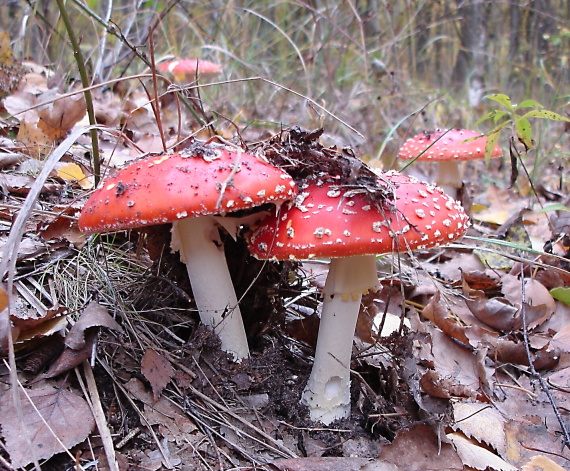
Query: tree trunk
pixel 471 60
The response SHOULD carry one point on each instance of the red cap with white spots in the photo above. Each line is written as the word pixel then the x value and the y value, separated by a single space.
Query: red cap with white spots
pixel 446 144
pixel 331 221
pixel 190 67
pixel 204 179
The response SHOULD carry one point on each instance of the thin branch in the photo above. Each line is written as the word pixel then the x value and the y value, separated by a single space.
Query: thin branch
pixel 533 372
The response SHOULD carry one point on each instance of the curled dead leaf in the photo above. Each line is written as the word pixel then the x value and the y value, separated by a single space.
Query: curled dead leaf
pixel 504 313
pixel 94 315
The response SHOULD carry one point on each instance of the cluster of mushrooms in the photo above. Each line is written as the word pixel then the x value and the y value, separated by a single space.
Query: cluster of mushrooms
pixel 340 210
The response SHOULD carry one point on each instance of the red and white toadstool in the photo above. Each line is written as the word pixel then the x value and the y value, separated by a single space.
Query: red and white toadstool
pixel 188 69
pixel 336 222
pixel 447 147
pixel 188 189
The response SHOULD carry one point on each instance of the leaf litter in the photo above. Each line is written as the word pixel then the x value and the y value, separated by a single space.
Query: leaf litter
pixel 441 373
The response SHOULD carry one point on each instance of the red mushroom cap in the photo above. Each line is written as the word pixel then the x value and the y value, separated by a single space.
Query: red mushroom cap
pixel 204 179
pixel 190 67
pixel 329 221
pixel 446 144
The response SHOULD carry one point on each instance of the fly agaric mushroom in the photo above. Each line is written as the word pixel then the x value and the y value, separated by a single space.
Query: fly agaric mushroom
pixel 188 189
pixel 336 222
pixel 187 69
pixel 447 147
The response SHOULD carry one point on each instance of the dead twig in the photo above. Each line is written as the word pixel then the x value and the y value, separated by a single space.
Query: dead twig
pixel 536 374
pixel 99 415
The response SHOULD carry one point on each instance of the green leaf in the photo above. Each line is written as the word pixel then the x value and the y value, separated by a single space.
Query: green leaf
pixel 502 100
pixel 545 114
pixel 490 145
pixel 553 207
pixel 529 104
pixel 524 131
pixel 500 114
pixel 562 294
pixel 489 115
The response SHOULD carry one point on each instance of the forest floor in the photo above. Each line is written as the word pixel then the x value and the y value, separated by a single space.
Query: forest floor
pixel 461 358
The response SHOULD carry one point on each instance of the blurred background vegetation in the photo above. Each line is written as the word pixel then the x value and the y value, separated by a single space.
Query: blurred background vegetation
pixel 387 68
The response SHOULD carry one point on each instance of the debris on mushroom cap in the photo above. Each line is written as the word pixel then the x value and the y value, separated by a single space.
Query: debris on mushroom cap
pixel 446 144
pixel 333 221
pixel 190 66
pixel 203 179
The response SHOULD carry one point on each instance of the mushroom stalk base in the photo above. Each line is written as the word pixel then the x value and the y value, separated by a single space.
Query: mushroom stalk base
pixel 327 393
pixel 201 250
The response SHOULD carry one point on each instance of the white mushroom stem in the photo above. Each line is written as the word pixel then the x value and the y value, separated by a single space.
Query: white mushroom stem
pixel 327 393
pixel 449 177
pixel 198 240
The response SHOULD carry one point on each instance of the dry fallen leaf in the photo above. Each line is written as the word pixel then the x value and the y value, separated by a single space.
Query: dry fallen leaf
pixel 482 422
pixel 81 338
pixel 36 143
pixel 94 315
pixel 540 304
pixel 332 464
pixel 73 173
pixel 10 73
pixel 475 456
pixel 58 117
pixel 67 415
pixel 420 449
pixel 157 370
pixel 504 313
pixel 541 463
pixel 3 299
pixel 70 358
pixel 163 413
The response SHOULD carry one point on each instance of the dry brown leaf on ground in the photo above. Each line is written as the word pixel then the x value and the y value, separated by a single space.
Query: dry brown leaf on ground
pixel 482 422
pixel 157 370
pixel 504 313
pixel 561 340
pixel 332 464
pixel 31 323
pixel 453 370
pixel 3 299
pixel 21 184
pixel 94 315
pixel 436 311
pixel 540 304
pixel 419 448
pixel 10 72
pixel 58 117
pixel 532 427
pixel 475 456
pixel 34 140
pixel 70 358
pixel 81 338
pixel 541 463
pixel 172 424
pixel 63 227
pixel 68 417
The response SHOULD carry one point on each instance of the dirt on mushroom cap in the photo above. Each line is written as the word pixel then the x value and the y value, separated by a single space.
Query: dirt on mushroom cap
pixel 331 220
pixel 203 179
